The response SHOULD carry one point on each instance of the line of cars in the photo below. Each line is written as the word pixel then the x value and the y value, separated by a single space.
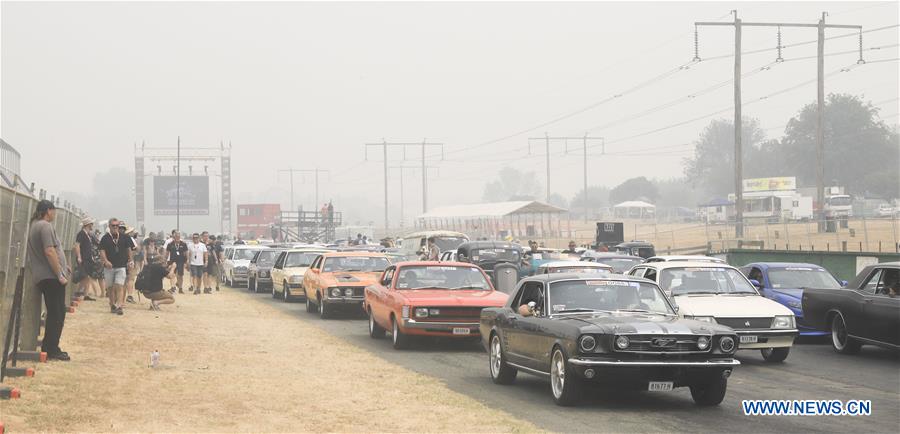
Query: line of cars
pixel 664 323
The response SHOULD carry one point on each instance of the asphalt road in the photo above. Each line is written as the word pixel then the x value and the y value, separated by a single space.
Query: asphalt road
pixel 812 371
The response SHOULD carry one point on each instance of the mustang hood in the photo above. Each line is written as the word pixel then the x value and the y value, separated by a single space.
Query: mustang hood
pixel 459 297
pixel 649 324
pixel 351 278
pixel 740 306
pixel 790 292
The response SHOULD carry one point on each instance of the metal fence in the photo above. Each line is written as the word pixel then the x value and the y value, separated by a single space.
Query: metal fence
pixel 17 203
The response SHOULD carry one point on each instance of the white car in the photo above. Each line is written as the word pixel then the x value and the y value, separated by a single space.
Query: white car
pixel 719 293
pixel 682 258
pixel 288 271
pixel 236 265
pixel 885 210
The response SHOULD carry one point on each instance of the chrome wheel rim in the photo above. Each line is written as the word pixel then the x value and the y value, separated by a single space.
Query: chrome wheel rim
pixel 838 332
pixel 394 331
pixel 371 323
pixel 558 373
pixel 495 356
pixel 285 292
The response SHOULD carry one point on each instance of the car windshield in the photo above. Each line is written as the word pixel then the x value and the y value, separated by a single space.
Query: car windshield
pixel 441 277
pixel 243 254
pixel 606 295
pixel 619 265
pixel 577 269
pixel 802 277
pixel 494 255
pixel 355 263
pixel 266 257
pixel 300 259
pixel 448 243
pixel 706 280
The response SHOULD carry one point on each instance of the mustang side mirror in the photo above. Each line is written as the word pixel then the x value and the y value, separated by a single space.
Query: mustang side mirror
pixel 756 283
pixel 844 283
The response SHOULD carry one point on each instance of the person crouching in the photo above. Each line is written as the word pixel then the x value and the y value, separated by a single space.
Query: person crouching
pixel 150 282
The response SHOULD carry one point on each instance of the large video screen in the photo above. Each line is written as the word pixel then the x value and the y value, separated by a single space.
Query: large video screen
pixel 194 195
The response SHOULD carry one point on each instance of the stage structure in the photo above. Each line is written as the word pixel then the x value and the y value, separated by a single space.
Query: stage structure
pixel 181 181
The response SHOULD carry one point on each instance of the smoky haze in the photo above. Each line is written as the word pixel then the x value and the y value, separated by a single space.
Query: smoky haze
pixel 305 85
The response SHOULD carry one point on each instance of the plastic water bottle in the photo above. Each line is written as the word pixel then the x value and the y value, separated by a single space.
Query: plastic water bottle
pixel 154 358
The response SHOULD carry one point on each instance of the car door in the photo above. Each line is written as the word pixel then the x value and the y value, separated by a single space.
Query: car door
pixel 377 296
pixel 853 307
pixel 278 272
pixel 309 278
pixel 882 312
pixel 534 340
pixel 522 331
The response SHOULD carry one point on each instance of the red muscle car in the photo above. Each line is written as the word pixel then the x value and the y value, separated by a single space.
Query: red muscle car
pixel 429 299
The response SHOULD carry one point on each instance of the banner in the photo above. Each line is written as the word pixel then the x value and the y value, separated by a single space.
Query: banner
pixel 194 195
pixel 770 184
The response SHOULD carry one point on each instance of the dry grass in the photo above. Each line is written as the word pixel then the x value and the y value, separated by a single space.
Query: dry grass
pixel 230 366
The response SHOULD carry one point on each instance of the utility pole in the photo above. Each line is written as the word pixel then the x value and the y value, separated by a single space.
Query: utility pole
pixel 820 108
pixel 384 148
pixel 401 169
pixel 584 141
pixel 178 185
pixel 315 172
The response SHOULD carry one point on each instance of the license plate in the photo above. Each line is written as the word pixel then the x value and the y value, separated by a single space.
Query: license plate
pixel 660 386
pixel 748 339
pixel 461 331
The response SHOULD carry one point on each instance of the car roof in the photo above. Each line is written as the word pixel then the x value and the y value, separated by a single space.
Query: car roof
pixel 684 258
pixel 489 243
pixel 685 264
pixel 782 265
pixel 330 254
pixel 579 264
pixel 435 263
pixel 248 247
pixel 593 254
pixel 555 277
pixel 307 250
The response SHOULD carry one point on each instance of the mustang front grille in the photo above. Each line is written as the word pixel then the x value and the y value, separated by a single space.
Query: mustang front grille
pixel 746 323
pixel 662 344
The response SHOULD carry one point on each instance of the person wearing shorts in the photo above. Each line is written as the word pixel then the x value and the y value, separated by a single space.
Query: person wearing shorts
pixel 152 282
pixel 176 253
pixel 199 257
pixel 115 254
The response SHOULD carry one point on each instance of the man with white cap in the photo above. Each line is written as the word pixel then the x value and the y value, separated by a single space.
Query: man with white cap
pixel 84 257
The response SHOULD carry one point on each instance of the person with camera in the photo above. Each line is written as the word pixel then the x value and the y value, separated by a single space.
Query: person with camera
pixel 150 282
pixel 116 248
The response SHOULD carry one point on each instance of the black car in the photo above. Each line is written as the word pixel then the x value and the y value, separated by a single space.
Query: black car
pixel 259 272
pixel 611 329
pixel 619 262
pixel 487 254
pixel 866 311
pixel 636 248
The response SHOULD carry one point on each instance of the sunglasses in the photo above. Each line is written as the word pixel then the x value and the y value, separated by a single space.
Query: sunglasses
pixel 113 226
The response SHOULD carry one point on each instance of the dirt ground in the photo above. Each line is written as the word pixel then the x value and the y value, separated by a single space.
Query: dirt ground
pixel 225 367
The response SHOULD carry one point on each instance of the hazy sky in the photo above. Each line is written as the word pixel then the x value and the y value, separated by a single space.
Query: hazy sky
pixel 307 84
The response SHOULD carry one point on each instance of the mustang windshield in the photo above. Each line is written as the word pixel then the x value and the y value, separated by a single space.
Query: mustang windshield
pixel 355 263
pixel 300 259
pixel 440 277
pixel 802 277
pixel 706 280
pixel 266 257
pixel 243 254
pixel 606 295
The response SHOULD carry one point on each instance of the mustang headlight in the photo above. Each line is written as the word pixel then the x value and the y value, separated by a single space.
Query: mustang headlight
pixel 348 292
pixel 587 343
pixel 726 344
pixel 422 312
pixel 702 343
pixel 335 292
pixel 296 279
pixel 783 322
pixel 622 342
pixel 709 319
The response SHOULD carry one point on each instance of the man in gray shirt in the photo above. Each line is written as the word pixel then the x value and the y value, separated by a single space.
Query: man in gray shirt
pixel 49 270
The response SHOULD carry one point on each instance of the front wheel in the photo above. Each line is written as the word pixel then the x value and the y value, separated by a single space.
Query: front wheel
pixel 324 310
pixel 286 293
pixel 255 286
pixel 310 306
pixel 375 331
pixel 398 339
pixel 775 355
pixel 840 340
pixel 711 393
pixel 566 387
pixel 501 372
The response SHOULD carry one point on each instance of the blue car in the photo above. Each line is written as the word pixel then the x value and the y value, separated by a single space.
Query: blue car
pixel 784 283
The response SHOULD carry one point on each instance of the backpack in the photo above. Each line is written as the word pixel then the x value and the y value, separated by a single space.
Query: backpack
pixel 141 281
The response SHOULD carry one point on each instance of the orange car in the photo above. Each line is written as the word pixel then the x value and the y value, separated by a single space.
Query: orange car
pixel 338 280
pixel 430 299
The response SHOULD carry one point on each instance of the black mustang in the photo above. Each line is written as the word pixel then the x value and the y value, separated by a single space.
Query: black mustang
pixel 866 311
pixel 611 329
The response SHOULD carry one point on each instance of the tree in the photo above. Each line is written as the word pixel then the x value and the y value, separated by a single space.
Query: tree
pixel 639 188
pixel 675 192
pixel 557 199
pixel 512 184
pixel 861 152
pixel 712 166
pixel 598 197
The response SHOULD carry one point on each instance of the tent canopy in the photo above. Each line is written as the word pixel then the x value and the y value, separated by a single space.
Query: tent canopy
pixel 495 209
pixel 634 204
